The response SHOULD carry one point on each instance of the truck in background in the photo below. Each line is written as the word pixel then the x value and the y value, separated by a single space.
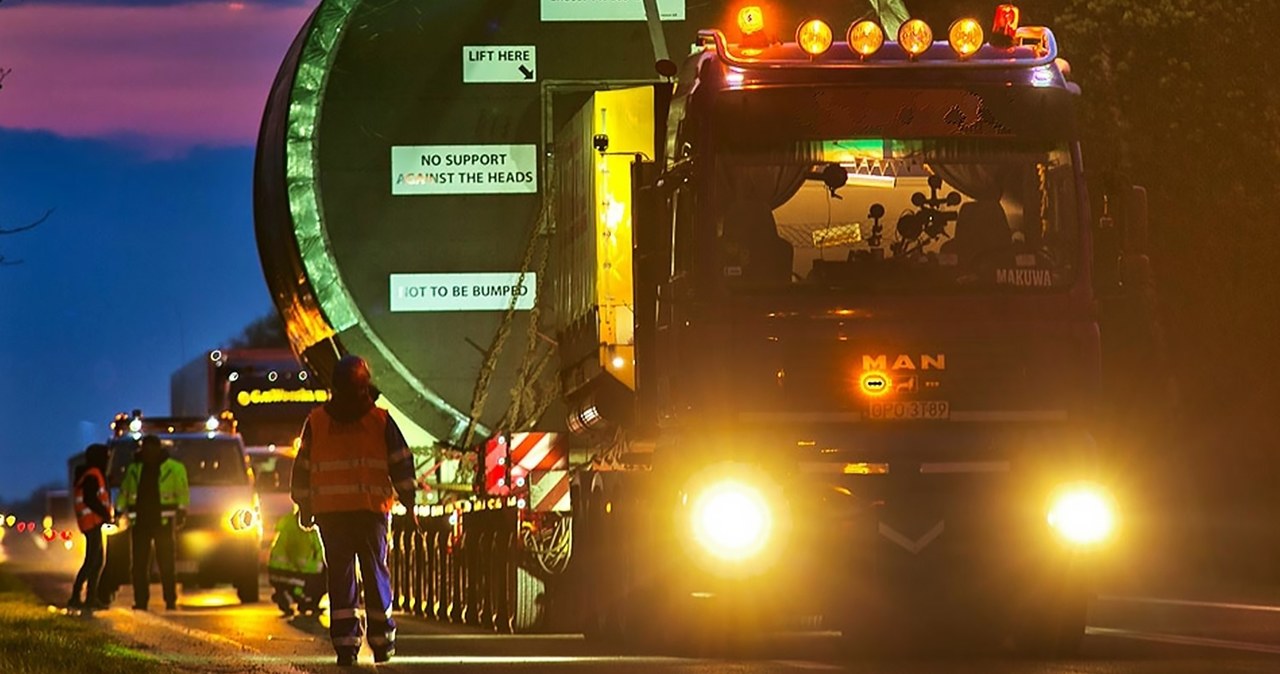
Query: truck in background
pixel 269 393
pixel 222 536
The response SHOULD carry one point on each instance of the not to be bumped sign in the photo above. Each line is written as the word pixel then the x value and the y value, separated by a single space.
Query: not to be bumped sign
pixel 462 292
pixel 464 169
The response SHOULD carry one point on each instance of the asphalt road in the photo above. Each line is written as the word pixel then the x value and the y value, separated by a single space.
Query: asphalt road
pixel 1147 634
pixel 1130 636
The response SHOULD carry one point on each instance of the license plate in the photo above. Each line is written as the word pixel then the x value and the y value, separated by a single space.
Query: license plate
pixel 909 409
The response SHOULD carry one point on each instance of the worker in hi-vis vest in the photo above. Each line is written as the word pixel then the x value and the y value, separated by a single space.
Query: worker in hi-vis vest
pixel 352 466
pixel 295 568
pixel 93 510
pixel 155 495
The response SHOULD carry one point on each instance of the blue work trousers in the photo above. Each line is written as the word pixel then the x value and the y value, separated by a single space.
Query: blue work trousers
pixel 347 537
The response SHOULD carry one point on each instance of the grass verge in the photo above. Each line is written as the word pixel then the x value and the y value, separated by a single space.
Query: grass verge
pixel 36 640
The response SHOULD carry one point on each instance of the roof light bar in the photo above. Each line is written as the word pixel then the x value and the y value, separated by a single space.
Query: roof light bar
pixel 1004 29
pixel 915 37
pixel 965 37
pixel 750 20
pixel 814 37
pixel 865 38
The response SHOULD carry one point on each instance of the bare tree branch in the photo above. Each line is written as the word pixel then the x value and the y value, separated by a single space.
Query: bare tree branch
pixel 30 225
pixel 7 262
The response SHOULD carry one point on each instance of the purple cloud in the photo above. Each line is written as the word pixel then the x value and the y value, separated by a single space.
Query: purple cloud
pixel 166 77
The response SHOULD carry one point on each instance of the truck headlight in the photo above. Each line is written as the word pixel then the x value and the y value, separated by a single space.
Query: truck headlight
pixel 1082 514
pixel 731 520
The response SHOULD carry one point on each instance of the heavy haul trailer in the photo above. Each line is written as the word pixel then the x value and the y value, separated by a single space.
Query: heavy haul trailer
pixel 814 321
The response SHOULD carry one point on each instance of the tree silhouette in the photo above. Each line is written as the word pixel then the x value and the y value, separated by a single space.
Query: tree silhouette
pixel 6 261
pixel 265 332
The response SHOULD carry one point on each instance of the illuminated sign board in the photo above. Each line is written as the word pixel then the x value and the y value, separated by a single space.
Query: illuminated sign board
pixel 464 169
pixel 608 10
pixel 462 292
pixel 279 395
pixel 498 63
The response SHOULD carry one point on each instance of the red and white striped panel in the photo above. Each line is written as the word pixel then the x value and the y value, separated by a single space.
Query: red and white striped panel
pixel 538 451
pixel 549 491
pixel 495 466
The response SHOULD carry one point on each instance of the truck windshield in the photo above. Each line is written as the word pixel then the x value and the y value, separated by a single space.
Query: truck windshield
pixel 209 461
pixel 922 214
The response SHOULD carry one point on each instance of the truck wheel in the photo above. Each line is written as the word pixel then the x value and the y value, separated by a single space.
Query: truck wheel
pixel 247 590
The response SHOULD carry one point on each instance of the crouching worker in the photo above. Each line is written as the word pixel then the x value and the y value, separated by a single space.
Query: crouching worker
pixel 296 567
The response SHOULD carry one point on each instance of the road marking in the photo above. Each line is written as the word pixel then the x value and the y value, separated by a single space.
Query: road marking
pixel 485 659
pixel 1179 640
pixel 1192 603
pixel 486 637
pixel 807 665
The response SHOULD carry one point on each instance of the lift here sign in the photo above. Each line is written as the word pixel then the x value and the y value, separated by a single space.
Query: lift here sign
pixel 464 169
pixel 462 292
pixel 608 10
pixel 496 63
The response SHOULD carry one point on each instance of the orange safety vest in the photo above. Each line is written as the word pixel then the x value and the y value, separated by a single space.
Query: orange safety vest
pixel 349 463
pixel 86 518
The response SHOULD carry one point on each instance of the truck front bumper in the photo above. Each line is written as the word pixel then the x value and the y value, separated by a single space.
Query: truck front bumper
pixel 876 544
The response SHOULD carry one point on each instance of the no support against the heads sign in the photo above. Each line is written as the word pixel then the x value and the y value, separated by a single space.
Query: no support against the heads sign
pixel 464 169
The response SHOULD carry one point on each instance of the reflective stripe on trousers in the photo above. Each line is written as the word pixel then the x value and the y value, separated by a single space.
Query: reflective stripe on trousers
pixel 348 537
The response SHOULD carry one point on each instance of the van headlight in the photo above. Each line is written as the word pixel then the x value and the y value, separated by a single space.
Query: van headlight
pixel 732 520
pixel 242 519
pixel 1082 514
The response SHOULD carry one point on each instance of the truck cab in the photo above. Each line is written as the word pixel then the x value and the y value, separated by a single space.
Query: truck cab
pixel 867 354
pixel 221 538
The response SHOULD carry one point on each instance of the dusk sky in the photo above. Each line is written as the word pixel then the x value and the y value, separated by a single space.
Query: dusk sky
pixel 135 120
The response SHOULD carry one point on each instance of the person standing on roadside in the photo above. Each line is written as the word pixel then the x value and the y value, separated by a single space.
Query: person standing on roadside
pixel 93 510
pixel 155 494
pixel 352 465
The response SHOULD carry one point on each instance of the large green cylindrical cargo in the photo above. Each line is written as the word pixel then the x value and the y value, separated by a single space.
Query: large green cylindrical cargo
pixel 369 249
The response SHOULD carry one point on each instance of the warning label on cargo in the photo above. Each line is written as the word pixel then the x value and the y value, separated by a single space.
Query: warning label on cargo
pixel 464 169
pixel 608 10
pixel 462 292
